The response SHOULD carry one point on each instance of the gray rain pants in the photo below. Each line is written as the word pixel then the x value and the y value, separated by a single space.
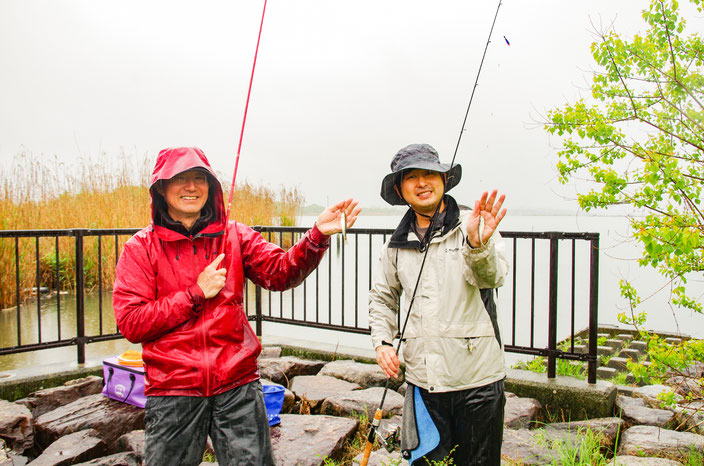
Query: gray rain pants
pixel 177 428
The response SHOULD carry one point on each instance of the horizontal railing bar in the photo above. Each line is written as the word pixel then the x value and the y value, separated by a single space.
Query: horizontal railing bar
pixel 280 320
pixel 362 231
pixel 546 352
pixel 37 346
pixel 69 232
pixel 549 235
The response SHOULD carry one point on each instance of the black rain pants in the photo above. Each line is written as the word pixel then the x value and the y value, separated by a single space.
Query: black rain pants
pixel 470 423
pixel 177 428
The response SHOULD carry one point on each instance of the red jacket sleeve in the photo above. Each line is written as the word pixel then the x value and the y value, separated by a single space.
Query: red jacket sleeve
pixel 268 265
pixel 140 315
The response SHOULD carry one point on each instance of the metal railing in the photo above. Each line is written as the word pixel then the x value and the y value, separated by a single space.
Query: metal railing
pixel 334 297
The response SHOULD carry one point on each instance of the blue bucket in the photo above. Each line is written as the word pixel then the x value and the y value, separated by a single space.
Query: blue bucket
pixel 274 402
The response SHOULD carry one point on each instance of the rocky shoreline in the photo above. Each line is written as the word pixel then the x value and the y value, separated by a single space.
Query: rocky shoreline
pixel 324 402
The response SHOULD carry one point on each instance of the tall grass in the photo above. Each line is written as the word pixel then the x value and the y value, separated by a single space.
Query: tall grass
pixel 107 192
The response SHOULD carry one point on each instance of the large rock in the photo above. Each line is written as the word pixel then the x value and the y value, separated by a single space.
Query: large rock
pixel 381 457
pixel 281 370
pixel 16 426
pixel 520 446
pixel 71 449
pixel 110 418
pixel 364 375
pixel 43 401
pixel 609 428
pixel 125 458
pixel 269 352
pixel 684 386
pixel 520 413
pixel 314 389
pixel 625 460
pixel 691 416
pixel 363 402
pixel 310 440
pixel 650 394
pixel 635 412
pixel 655 441
pixel 131 442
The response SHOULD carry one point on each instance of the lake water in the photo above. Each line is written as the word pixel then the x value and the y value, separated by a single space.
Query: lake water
pixel 616 262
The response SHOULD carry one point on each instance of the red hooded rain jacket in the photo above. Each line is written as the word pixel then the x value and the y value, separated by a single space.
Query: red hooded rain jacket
pixel 194 346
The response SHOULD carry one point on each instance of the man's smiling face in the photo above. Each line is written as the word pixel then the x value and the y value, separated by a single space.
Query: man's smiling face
pixel 186 195
pixel 423 189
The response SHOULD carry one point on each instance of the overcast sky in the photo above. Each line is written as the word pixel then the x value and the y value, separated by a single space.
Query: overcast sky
pixel 339 87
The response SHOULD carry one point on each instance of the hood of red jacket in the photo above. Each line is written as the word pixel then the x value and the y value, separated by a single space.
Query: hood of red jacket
pixel 170 163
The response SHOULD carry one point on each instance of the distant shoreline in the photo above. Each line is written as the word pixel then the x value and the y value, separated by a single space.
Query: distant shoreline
pixel 316 209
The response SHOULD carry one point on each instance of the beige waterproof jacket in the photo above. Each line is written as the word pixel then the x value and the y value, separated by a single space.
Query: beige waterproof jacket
pixel 452 341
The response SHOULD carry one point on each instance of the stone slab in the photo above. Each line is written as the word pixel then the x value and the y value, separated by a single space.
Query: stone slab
pixel 74 448
pixel 656 441
pixel 16 426
pixel 110 418
pixel 635 412
pixel 363 402
pixel 310 440
pixel 364 375
pixel 627 460
pixel 282 370
pixel 521 413
pixel 314 389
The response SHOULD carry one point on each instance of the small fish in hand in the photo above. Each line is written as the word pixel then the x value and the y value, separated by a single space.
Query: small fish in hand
pixel 343 225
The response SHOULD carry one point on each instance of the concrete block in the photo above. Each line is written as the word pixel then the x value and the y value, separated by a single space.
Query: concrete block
pixel 614 343
pixel 606 373
pixel 618 363
pixel 631 354
pixel 639 345
pixel 564 394
pixel 626 337
pixel 604 351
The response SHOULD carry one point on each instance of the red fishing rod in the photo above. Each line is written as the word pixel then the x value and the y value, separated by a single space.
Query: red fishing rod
pixel 239 146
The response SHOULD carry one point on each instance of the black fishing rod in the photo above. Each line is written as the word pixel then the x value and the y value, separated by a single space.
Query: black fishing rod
pixel 425 244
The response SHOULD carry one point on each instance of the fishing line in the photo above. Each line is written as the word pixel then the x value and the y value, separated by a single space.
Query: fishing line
pixel 244 120
pixel 425 243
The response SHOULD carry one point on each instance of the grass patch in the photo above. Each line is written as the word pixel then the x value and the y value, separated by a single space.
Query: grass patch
pixel 584 449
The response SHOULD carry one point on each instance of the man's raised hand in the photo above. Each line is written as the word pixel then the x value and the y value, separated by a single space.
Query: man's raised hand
pixel 485 218
pixel 211 280
pixel 328 221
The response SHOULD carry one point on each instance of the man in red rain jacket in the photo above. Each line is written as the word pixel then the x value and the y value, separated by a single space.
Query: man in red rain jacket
pixel 182 301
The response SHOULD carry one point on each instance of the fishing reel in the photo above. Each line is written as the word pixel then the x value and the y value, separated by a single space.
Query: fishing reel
pixel 389 437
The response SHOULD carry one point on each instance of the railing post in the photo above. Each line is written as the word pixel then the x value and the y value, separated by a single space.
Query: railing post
pixel 80 302
pixel 552 308
pixel 593 309
pixel 258 310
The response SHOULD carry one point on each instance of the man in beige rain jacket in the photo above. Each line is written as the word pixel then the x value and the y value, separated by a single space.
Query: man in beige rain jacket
pixel 452 344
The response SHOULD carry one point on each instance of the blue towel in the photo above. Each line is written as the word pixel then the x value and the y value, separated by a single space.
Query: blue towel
pixel 428 434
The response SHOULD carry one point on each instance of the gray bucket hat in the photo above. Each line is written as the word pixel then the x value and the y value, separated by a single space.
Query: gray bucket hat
pixel 421 156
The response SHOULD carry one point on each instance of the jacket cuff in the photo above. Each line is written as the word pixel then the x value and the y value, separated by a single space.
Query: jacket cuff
pixel 318 238
pixel 197 297
pixel 378 340
pixel 480 249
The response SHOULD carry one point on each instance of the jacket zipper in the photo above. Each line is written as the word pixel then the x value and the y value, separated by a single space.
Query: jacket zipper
pixel 204 336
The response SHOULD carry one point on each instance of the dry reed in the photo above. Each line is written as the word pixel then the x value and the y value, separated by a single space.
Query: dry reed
pixel 40 193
